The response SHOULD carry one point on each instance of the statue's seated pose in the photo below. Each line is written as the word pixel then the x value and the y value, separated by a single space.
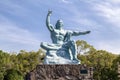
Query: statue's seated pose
pixel 62 50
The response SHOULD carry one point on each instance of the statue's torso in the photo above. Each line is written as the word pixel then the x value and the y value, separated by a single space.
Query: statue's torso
pixel 57 36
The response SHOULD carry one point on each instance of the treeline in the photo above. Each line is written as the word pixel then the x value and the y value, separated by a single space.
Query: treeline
pixel 15 66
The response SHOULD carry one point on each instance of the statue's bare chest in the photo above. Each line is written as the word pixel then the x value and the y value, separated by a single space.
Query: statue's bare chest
pixel 58 35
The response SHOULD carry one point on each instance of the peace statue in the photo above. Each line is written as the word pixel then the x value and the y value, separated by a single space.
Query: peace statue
pixel 62 50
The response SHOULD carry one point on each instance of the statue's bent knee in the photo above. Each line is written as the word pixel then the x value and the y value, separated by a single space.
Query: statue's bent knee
pixel 71 43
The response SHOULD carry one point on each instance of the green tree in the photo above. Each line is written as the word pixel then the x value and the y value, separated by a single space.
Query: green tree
pixel 23 62
pixel 116 62
pixel 100 60
pixel 27 61
pixel 13 75
pixel 4 63
pixel 84 50
pixel 83 47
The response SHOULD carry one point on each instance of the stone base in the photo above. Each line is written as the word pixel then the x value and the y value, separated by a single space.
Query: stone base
pixel 61 72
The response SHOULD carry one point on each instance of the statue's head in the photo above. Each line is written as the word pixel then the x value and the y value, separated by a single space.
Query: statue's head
pixel 59 24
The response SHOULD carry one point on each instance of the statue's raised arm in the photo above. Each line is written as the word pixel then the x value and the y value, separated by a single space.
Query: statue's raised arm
pixel 49 26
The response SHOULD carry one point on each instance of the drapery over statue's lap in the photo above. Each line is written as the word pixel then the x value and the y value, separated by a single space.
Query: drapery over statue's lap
pixel 62 50
pixel 58 54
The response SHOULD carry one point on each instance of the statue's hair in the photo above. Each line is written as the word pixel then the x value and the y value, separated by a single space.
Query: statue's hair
pixel 57 24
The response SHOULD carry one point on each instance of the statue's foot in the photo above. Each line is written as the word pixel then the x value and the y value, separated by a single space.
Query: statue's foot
pixel 76 61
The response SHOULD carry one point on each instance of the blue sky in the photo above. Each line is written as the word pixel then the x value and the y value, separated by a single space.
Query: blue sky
pixel 22 22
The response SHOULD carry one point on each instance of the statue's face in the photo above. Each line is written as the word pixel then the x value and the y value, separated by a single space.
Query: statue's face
pixel 59 24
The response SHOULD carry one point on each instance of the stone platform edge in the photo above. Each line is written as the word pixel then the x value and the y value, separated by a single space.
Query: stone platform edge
pixel 61 72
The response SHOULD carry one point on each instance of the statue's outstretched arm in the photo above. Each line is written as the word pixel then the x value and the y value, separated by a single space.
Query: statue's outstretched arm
pixel 77 33
pixel 49 26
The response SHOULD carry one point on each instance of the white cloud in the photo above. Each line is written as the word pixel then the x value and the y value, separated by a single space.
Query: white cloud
pixel 109 11
pixel 11 32
pixel 80 18
pixel 12 8
pixel 114 1
pixel 110 46
pixel 66 1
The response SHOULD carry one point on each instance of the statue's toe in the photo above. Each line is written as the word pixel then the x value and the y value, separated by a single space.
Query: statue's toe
pixel 76 61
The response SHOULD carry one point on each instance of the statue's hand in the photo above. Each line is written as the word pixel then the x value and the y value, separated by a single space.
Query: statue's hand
pixel 49 12
pixel 88 32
